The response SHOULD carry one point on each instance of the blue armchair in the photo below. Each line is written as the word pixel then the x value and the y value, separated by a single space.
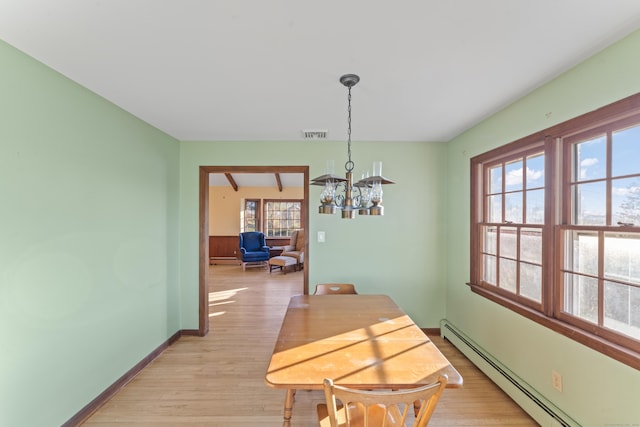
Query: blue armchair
pixel 253 248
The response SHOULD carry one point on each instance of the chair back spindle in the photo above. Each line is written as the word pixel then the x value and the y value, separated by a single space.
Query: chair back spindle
pixel 334 288
pixel 346 407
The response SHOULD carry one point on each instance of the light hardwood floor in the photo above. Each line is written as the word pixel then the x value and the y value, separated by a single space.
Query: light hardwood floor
pixel 218 380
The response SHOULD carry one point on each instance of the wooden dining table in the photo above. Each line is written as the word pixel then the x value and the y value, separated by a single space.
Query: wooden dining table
pixel 359 341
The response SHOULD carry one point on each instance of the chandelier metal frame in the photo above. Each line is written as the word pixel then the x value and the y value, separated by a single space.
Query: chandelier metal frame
pixel 364 196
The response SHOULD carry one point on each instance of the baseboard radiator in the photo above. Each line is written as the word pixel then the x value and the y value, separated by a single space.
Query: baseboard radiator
pixel 536 405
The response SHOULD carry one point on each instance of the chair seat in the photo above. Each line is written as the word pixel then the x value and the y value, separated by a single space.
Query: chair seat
pixel 298 255
pixel 255 256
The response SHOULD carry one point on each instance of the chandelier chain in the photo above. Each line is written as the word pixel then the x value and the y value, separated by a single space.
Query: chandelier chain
pixel 349 164
pixel 363 197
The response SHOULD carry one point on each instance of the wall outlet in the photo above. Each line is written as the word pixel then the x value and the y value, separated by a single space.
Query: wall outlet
pixel 556 380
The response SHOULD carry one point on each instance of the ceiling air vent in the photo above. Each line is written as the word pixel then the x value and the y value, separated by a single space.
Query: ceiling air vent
pixel 315 134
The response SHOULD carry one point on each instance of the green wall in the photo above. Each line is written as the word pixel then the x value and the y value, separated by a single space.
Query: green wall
pixel 400 254
pixel 99 239
pixel 88 242
pixel 598 391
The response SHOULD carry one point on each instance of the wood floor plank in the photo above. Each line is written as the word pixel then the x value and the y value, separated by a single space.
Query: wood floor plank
pixel 218 380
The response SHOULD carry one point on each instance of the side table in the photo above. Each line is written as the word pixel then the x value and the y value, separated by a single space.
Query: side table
pixel 275 251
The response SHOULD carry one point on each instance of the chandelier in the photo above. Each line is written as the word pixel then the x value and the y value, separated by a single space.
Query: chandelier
pixel 364 196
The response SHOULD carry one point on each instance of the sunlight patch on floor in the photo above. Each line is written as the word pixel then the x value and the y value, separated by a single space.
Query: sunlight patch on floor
pixel 221 303
pixel 222 298
pixel 224 295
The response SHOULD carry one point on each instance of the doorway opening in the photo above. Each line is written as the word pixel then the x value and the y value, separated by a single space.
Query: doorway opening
pixel 203 304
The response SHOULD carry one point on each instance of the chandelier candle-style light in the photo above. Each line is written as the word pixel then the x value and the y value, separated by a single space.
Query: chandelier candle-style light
pixel 365 196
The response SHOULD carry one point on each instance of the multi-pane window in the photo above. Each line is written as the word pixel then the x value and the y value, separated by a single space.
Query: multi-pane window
pixel 511 225
pixel 251 215
pixel 600 271
pixel 282 217
pixel 555 228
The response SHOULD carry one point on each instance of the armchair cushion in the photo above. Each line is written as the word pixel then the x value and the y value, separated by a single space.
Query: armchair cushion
pixel 295 248
pixel 297 241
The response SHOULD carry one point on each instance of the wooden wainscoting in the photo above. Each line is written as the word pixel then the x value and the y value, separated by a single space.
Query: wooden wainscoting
pixel 225 249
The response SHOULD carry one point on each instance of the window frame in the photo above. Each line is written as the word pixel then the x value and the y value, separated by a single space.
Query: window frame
pixel 519 152
pixel 556 143
pixel 265 216
pixel 258 214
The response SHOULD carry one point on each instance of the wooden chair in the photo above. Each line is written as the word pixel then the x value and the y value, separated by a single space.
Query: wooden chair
pixel 378 408
pixel 334 288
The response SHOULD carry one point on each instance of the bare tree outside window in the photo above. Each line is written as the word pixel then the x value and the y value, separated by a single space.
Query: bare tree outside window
pixel 629 211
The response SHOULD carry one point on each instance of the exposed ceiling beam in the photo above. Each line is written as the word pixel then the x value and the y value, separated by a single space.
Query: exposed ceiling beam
pixel 279 182
pixel 231 181
pixel 259 179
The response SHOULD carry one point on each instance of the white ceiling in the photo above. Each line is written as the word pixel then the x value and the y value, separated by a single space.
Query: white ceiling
pixel 265 70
